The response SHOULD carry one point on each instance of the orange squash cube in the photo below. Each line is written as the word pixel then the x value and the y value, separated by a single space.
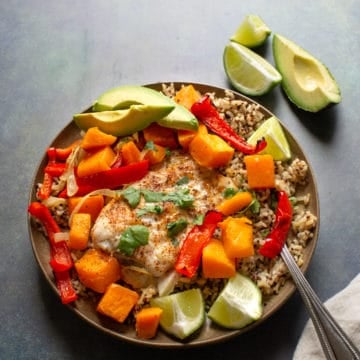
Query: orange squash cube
pixel 237 236
pixel 260 171
pixel 91 205
pixel 95 138
pixel 79 231
pixel 97 161
pixel 215 262
pixel 117 302
pixel 147 322
pixel 97 270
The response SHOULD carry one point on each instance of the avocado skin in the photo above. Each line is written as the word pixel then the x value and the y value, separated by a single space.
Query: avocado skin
pixel 124 96
pixel 320 97
pixel 123 122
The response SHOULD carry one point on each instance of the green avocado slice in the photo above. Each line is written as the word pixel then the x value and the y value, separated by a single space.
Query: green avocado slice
pixel 306 81
pixel 123 122
pixel 124 96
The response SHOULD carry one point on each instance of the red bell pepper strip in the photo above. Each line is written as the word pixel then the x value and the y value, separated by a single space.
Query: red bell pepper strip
pixel 189 257
pixel 64 285
pixel 61 154
pixel 45 190
pixel 60 258
pixel 207 113
pixel 277 237
pixel 55 169
pixel 111 179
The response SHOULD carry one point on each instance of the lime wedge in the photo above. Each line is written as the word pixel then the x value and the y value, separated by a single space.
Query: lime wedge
pixel 277 144
pixel 247 71
pixel 252 32
pixel 239 303
pixel 183 312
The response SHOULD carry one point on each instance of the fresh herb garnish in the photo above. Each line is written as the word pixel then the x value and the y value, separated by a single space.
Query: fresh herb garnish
pixel 133 237
pixel 175 227
pixel 150 146
pixel 150 208
pixel 255 206
pixel 132 196
pixel 229 192
pixel 183 181
pixel 199 219
pixel 181 198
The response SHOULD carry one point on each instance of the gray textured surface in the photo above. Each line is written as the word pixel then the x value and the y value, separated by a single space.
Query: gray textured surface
pixel 57 57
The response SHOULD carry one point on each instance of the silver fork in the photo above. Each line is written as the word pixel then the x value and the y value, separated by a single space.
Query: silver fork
pixel 335 343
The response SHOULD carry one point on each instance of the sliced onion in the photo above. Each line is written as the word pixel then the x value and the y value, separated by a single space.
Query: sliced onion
pixel 61 236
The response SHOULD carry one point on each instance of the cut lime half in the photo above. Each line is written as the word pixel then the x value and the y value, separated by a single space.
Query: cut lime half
pixel 183 312
pixel 247 71
pixel 252 32
pixel 239 303
pixel 276 142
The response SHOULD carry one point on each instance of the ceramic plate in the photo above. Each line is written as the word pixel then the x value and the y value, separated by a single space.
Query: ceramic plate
pixel 209 333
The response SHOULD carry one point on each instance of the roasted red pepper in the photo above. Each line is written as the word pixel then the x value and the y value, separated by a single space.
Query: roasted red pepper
pixel 45 190
pixel 64 285
pixel 60 258
pixel 55 169
pixel 111 179
pixel 189 257
pixel 207 113
pixel 277 237
pixel 61 154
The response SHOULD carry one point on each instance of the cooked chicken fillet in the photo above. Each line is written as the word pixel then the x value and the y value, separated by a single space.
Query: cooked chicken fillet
pixel 159 255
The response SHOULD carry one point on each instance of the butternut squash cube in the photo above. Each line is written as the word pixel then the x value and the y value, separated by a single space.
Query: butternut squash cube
pixel 95 138
pixel 97 270
pixel 237 236
pixel 187 96
pixel 235 203
pixel 260 171
pixel 79 231
pixel 210 150
pixel 147 322
pixel 117 302
pixel 215 262
pixel 130 153
pixel 91 205
pixel 97 161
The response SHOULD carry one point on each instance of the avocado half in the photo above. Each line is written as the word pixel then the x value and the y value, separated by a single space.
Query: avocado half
pixel 123 122
pixel 124 96
pixel 306 81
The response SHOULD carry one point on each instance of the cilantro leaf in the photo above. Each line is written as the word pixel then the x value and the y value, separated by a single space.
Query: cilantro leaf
pixel 183 181
pixel 175 227
pixel 132 196
pixel 133 237
pixel 156 209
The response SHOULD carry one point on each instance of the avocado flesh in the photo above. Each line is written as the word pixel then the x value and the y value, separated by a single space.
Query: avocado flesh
pixel 123 122
pixel 306 81
pixel 124 96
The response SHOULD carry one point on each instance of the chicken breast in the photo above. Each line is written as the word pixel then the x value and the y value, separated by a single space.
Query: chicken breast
pixel 160 254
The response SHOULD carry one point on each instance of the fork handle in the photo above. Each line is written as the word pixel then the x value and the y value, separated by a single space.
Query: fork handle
pixel 335 343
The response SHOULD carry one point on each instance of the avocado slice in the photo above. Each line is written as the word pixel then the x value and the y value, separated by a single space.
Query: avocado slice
pixel 307 82
pixel 124 96
pixel 123 122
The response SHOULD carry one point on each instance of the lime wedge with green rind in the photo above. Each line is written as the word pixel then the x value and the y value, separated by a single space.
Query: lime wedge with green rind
pixel 239 303
pixel 252 32
pixel 247 71
pixel 183 312
pixel 276 141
